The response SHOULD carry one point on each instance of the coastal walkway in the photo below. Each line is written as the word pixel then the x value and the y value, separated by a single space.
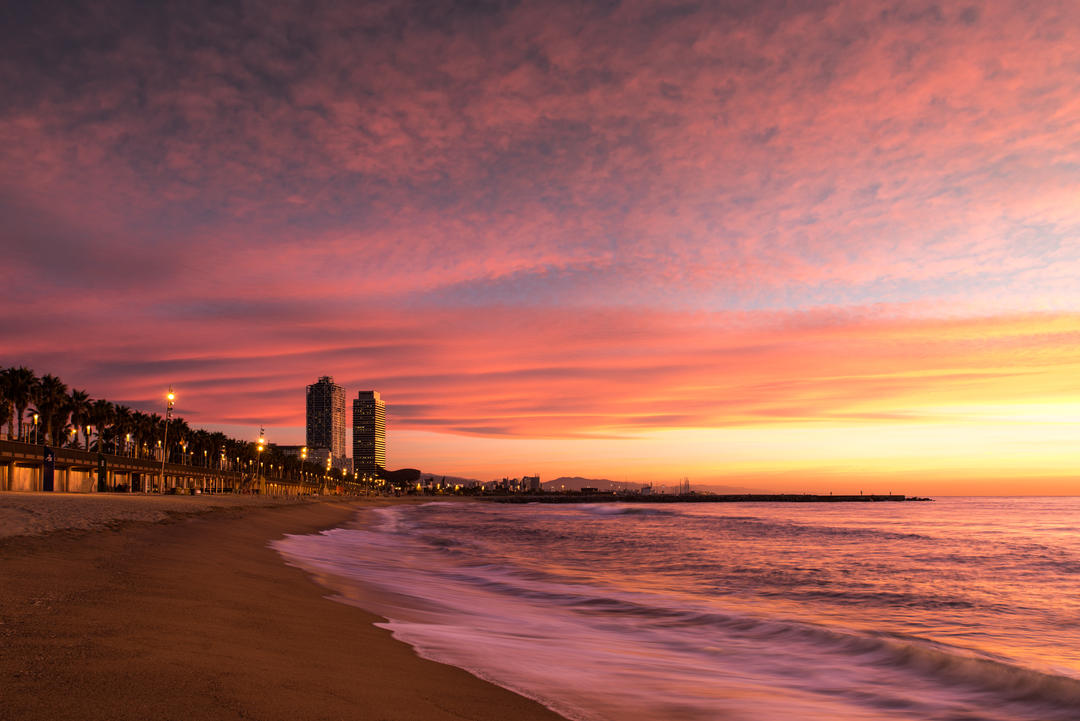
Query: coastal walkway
pixel 31 467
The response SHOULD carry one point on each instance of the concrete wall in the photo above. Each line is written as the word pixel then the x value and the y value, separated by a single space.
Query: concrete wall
pixel 80 481
pixel 26 479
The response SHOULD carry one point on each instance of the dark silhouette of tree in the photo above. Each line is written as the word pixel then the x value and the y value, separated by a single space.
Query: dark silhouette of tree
pixel 123 424
pixel 7 408
pixel 79 402
pixel 53 406
pixel 102 416
pixel 21 385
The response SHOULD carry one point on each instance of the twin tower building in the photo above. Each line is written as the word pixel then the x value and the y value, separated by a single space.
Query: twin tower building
pixel 326 427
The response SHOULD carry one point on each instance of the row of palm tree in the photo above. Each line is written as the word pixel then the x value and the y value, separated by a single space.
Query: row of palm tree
pixel 43 410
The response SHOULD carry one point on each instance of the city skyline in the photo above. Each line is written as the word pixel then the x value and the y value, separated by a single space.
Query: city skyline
pixel 783 246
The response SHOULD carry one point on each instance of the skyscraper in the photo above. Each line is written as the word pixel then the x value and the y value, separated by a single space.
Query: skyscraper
pixel 326 422
pixel 369 432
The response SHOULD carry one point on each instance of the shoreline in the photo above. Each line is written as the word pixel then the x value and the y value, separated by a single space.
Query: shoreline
pixel 197 617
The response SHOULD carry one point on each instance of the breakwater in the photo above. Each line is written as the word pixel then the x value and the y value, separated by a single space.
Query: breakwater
pixel 702 498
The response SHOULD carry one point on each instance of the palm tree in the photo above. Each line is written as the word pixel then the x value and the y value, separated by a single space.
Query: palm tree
pixel 141 430
pixel 150 428
pixel 218 448
pixel 102 415
pixel 180 433
pixel 80 413
pixel 53 405
pixel 6 415
pixel 68 431
pixel 122 424
pixel 201 447
pixel 7 412
pixel 21 383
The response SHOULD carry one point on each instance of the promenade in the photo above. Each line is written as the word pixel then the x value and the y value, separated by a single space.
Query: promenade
pixel 32 467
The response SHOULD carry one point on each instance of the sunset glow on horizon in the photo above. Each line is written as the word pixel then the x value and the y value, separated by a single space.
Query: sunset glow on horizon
pixel 798 247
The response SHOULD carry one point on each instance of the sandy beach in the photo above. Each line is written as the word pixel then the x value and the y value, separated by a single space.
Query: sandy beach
pixel 175 608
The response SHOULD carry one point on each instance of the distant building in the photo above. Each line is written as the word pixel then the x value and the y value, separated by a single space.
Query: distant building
pixel 321 456
pixel 326 422
pixel 369 432
pixel 531 483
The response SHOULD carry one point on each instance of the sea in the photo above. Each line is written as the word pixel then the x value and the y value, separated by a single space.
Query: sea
pixel 961 609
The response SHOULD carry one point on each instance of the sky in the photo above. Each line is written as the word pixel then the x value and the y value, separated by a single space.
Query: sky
pixel 795 246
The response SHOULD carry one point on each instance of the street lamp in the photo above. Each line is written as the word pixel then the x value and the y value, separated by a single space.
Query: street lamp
pixel 170 398
pixel 260 447
pixel 35 428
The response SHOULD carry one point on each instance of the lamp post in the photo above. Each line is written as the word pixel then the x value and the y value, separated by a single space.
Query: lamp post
pixel 260 447
pixel 170 398
pixel 35 428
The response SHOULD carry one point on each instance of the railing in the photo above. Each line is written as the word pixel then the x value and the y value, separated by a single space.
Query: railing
pixel 30 453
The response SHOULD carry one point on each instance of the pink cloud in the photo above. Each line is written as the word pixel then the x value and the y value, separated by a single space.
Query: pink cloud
pixel 583 223
pixel 588 374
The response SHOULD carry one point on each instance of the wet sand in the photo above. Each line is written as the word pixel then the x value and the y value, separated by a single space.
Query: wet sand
pixel 196 618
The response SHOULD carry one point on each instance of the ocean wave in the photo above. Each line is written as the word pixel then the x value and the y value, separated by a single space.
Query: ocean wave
pixel 765 528
pixel 611 510
pixel 717 608
pixel 999 677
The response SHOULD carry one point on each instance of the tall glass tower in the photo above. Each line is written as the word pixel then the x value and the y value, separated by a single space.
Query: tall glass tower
pixel 369 432
pixel 326 422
